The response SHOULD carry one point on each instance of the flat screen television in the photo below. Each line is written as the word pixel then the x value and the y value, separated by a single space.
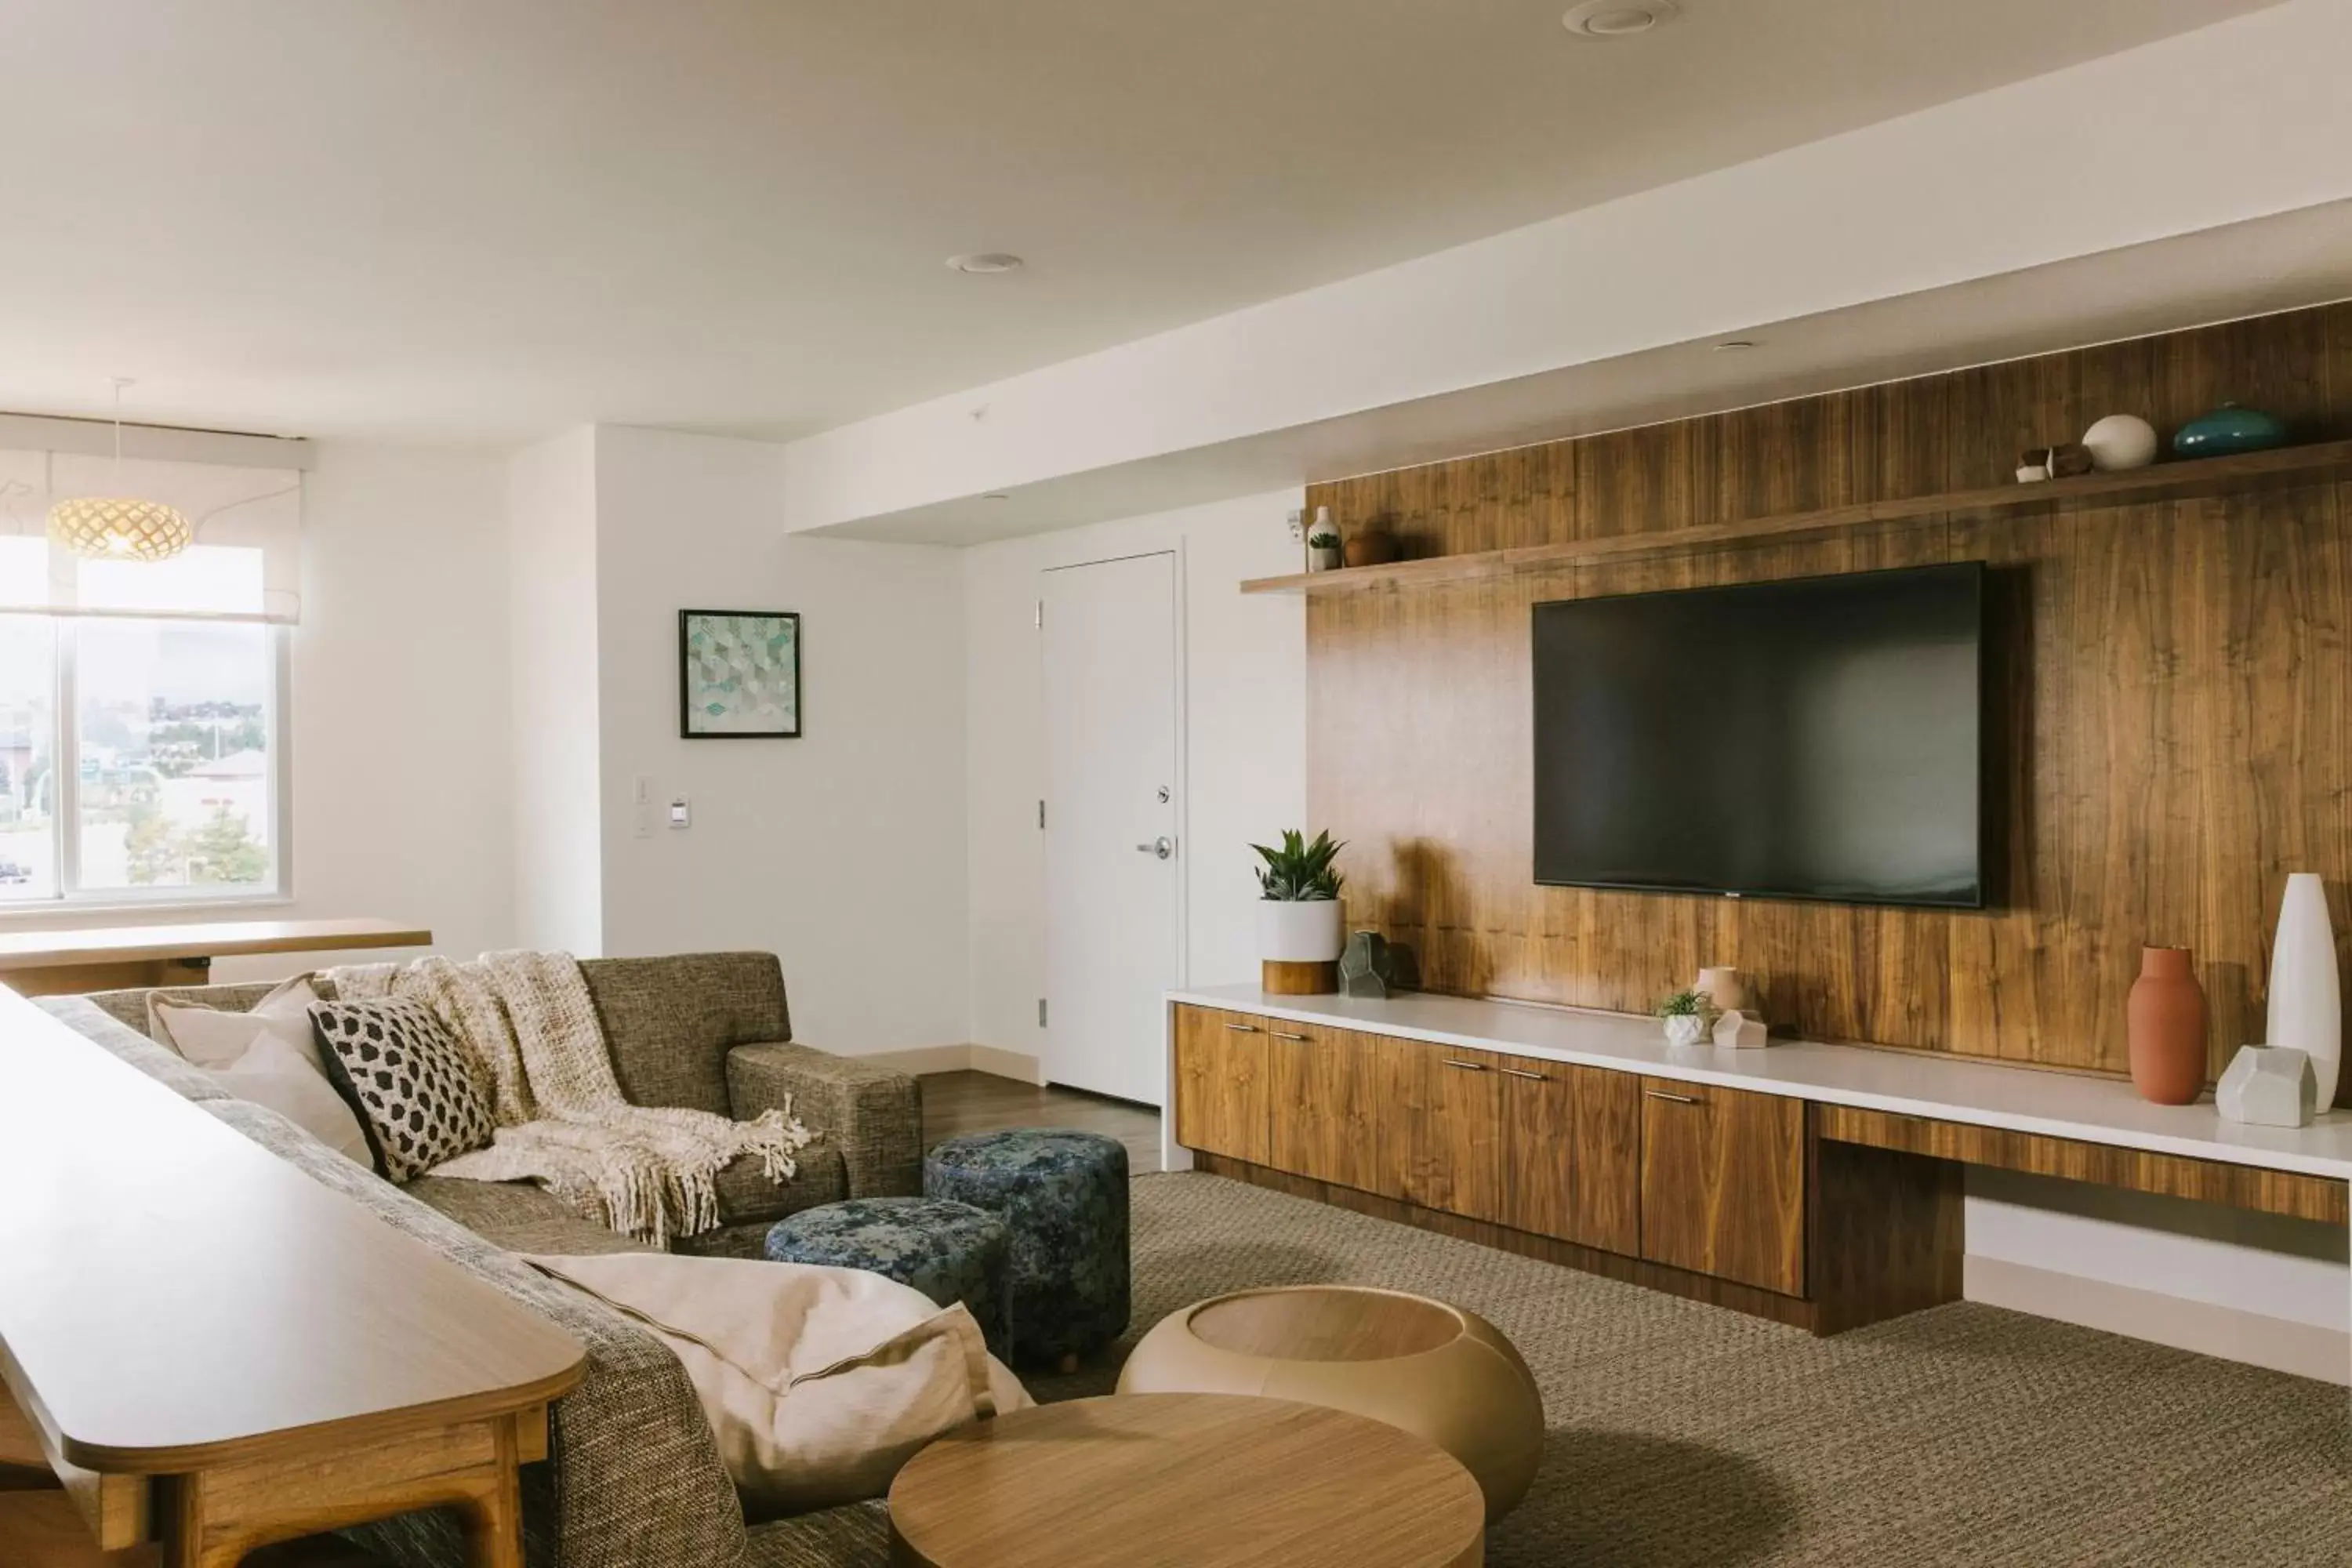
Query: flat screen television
pixel 1822 738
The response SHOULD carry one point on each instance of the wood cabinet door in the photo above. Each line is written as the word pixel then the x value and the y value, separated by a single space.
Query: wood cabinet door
pixel 1325 1104
pixel 1442 1116
pixel 1723 1183
pixel 1571 1153
pixel 1222 1101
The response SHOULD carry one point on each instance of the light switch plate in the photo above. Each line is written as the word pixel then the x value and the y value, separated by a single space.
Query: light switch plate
pixel 680 814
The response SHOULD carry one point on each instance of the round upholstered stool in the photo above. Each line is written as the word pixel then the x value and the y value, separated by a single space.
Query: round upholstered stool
pixel 1064 1196
pixel 1435 1370
pixel 951 1252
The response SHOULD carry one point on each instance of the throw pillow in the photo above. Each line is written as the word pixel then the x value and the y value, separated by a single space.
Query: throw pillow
pixel 265 1056
pixel 818 1382
pixel 418 1088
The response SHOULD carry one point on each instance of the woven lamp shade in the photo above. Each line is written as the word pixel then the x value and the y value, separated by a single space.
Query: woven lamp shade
pixel 110 528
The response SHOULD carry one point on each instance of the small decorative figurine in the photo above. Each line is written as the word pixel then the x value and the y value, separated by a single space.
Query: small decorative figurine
pixel 2268 1087
pixel 1743 1031
pixel 1364 967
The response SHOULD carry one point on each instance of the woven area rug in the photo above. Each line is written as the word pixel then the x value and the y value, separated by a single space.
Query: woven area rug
pixel 1681 1433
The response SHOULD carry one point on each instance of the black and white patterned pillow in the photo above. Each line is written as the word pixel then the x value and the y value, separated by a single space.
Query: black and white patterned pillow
pixel 419 1094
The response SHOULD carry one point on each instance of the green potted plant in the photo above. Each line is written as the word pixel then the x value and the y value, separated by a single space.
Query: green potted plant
pixel 1299 912
pixel 1688 1016
pixel 1323 548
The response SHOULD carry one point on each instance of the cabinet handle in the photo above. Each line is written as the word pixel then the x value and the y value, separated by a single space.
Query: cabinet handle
pixel 1522 1072
pixel 1280 1035
pixel 1466 1067
pixel 1243 1028
pixel 1677 1099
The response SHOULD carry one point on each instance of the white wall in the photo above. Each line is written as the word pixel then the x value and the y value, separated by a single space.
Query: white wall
pixel 400 715
pixel 549 688
pixel 1246 736
pixel 842 851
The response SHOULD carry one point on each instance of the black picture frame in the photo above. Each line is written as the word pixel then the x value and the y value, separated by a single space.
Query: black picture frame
pixel 686 712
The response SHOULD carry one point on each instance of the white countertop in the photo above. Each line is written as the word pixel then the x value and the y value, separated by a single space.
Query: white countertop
pixel 1983 1093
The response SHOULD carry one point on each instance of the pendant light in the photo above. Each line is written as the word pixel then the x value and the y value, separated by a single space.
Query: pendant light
pixel 115 528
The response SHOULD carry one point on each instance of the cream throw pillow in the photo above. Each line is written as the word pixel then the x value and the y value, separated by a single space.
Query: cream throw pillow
pixel 818 1382
pixel 268 1057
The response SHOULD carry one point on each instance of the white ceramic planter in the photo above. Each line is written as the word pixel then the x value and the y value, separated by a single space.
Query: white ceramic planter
pixel 1305 930
pixel 1686 1028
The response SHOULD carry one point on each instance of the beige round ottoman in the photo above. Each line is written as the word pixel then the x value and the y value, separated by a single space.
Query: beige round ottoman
pixel 1435 1371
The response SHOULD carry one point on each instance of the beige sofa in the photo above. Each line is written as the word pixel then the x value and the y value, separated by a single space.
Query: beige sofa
pixel 633 1480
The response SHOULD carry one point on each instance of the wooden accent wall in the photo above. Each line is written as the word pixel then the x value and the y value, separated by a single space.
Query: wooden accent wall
pixel 2177 706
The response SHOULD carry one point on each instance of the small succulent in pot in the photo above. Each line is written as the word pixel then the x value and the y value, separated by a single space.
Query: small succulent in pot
pixel 1299 917
pixel 1688 1016
pixel 1323 550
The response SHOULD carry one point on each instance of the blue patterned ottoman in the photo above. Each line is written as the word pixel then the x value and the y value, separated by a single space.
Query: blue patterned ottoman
pixel 951 1252
pixel 1064 1196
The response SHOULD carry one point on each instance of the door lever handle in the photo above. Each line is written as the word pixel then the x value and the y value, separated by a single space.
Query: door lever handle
pixel 1162 846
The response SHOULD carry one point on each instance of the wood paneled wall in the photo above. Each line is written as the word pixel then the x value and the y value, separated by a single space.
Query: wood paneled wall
pixel 2177 710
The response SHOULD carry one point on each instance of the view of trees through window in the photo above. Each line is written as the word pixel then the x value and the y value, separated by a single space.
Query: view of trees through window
pixel 169 779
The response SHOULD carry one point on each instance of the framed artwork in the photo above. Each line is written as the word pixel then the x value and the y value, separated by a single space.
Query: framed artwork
pixel 739 674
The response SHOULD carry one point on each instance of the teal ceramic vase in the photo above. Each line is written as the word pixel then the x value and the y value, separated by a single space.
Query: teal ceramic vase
pixel 2228 429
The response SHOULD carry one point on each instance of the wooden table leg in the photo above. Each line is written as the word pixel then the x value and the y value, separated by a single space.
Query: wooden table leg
pixel 212 1520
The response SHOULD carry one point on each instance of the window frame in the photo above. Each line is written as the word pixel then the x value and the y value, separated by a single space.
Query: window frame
pixel 65 825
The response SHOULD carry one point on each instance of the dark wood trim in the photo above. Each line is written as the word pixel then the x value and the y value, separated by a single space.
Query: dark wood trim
pixel 1887 1232
pixel 2172 1175
pixel 1787 1310
pixel 2321 462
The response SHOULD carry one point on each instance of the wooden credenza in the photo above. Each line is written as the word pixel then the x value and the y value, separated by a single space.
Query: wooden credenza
pixel 1822 1199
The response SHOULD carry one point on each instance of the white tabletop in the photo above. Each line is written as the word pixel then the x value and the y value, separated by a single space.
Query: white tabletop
pixel 2094 1110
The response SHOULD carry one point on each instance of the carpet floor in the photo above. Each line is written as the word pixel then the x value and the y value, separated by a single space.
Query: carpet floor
pixel 1683 1434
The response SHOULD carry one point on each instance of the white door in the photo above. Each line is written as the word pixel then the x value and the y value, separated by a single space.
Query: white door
pixel 1111 812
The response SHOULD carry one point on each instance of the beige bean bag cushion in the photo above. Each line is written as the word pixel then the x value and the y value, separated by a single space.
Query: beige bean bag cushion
pixel 819 1383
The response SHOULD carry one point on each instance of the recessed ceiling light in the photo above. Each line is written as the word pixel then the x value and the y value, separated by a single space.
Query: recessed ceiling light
pixel 985 261
pixel 1606 21
pixel 1732 346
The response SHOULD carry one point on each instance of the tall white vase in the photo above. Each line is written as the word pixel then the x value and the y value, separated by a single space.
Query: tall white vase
pixel 2306 999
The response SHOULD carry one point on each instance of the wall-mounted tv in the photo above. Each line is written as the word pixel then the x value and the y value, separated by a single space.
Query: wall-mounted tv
pixel 1822 738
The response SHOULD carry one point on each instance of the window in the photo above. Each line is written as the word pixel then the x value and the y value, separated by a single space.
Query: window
pixel 143 706
pixel 165 783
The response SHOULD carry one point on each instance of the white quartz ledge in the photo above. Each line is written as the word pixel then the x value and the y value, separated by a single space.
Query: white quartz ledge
pixel 1982 1093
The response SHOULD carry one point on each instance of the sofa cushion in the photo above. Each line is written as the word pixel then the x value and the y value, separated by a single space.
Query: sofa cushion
pixel 106 1028
pixel 671 1022
pixel 418 1089
pixel 519 1216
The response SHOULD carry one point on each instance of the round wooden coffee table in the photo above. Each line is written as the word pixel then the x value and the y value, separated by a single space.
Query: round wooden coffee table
pixel 1185 1480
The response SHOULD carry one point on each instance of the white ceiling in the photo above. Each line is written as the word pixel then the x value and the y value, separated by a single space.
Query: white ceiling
pixel 449 219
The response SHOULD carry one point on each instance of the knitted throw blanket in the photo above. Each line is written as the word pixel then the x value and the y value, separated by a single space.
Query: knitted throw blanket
pixel 648 1172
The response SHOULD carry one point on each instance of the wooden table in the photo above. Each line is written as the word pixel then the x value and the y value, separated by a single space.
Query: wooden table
pixel 121 958
pixel 216 1351
pixel 1185 1480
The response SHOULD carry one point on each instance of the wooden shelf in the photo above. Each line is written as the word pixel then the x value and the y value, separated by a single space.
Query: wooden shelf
pixel 2281 467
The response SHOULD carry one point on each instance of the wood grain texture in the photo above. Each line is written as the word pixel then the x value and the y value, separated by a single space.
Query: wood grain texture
pixel 2175 729
pixel 1441 1109
pixel 2172 1175
pixel 1796 1312
pixel 374 1334
pixel 1278 978
pixel 2322 462
pixel 1185 1480
pixel 1324 1105
pixel 1223 1083
pixel 1723 1183
pixel 1571 1153
pixel 24 1463
pixel 42 1529
pixel 1886 1234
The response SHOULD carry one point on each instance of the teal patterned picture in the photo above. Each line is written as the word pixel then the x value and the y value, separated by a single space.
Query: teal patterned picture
pixel 739 674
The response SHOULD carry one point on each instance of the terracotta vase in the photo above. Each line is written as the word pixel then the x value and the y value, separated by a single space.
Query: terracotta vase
pixel 2166 1023
pixel 1371 547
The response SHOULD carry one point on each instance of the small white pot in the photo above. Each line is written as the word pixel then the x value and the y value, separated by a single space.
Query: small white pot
pixel 1685 1029
pixel 1302 931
